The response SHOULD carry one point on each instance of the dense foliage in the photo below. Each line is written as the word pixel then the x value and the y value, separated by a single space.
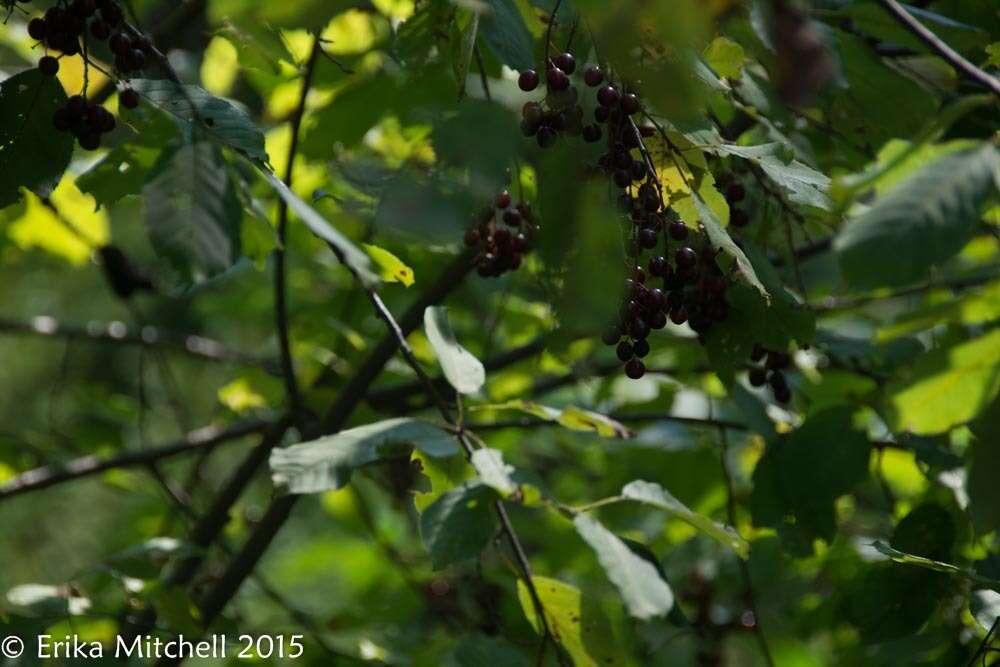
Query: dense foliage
pixel 503 332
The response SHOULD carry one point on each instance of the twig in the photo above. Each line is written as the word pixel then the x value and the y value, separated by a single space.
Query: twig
pixel 335 419
pixel 936 44
pixel 482 73
pixel 751 597
pixel 292 393
pixel 117 332
pixel 957 283
pixel 203 438
pixel 633 418
pixel 984 645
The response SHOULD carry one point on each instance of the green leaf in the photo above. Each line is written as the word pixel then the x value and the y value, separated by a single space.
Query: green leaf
pixel 493 472
pixel 720 239
pixel 578 624
pixel 469 35
pixel 936 565
pixel 947 386
pixel 984 471
pixel 202 113
pixel 32 154
pixel 794 494
pixel 985 608
pixel 803 184
pixel 464 372
pixel 129 165
pixel 726 57
pixel 646 595
pixel 326 464
pixel 48 601
pixel 650 493
pixel 888 602
pixel 477 650
pixel 458 525
pixel 352 256
pixel 146 560
pixel 505 33
pixel 571 417
pixel 921 223
pixel 192 212
pixel 928 530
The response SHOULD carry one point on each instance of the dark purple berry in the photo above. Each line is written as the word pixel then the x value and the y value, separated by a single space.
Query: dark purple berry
pixel 678 230
pixel 658 266
pixel 624 350
pixel 48 66
pixel 608 96
pixel 685 257
pixel 129 98
pixel 640 348
pixel 611 335
pixel 601 114
pixel 546 137
pixel 758 377
pixel 648 238
pixel 557 79
pixel 566 62
pixel 591 133
pixel 38 28
pixel 593 76
pixel 119 44
pixel 90 141
pixel 630 104
pixel 782 394
pixel 635 369
pixel 735 193
pixel 528 80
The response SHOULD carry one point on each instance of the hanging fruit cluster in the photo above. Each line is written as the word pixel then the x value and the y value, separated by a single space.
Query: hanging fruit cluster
pixel 66 30
pixel 502 232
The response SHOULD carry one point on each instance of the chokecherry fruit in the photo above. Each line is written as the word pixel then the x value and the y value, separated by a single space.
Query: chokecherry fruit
pixel 593 76
pixel 608 96
pixel 129 98
pixel 635 369
pixel 48 66
pixel 528 80
pixel 566 62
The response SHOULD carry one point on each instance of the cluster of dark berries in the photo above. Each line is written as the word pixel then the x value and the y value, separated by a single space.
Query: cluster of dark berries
pixel 87 121
pixel 63 26
pixel 502 231
pixel 692 286
pixel 771 373
pixel 560 111
pixel 735 193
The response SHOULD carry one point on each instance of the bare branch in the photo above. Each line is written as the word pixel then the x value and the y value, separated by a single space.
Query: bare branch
pixel 937 45
pixel 202 439
pixel 117 332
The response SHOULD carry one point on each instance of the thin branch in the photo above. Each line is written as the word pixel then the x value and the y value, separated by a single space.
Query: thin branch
pixel 201 439
pixel 482 73
pixel 117 332
pixel 349 397
pixel 292 393
pixel 751 596
pixel 956 283
pixel 628 418
pixel 937 45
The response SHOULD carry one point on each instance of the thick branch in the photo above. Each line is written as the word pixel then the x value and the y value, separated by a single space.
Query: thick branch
pixel 202 439
pixel 937 45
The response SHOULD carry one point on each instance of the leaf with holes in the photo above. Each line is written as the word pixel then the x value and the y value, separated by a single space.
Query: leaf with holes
pixel 32 154
pixel 202 114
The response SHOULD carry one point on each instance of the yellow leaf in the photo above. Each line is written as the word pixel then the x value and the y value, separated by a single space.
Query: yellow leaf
pixel 390 268
pixel 240 397
pixel 74 237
